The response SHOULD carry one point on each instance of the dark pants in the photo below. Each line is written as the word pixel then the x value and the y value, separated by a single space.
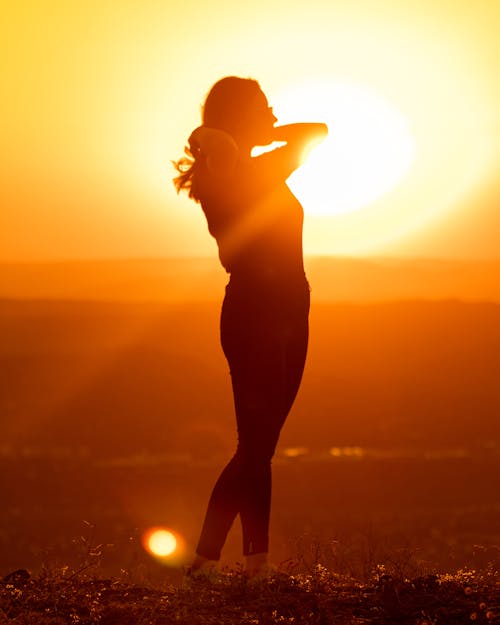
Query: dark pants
pixel 264 335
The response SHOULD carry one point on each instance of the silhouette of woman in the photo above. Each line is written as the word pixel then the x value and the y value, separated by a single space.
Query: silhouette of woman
pixel 257 223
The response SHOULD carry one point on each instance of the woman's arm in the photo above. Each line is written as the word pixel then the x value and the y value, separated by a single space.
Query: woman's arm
pixel 281 162
pixel 219 148
pixel 301 134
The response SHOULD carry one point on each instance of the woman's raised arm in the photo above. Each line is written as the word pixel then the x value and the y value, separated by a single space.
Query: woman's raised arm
pixel 300 134
pixel 283 161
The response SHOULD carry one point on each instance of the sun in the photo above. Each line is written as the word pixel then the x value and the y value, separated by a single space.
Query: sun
pixel 369 148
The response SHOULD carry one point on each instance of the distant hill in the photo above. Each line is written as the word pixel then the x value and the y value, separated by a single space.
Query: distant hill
pixel 202 279
pixel 117 378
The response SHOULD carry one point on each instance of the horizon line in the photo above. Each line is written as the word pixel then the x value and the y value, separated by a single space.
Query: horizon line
pixel 215 260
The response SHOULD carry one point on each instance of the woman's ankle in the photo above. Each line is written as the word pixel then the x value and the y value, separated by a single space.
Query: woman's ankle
pixel 256 563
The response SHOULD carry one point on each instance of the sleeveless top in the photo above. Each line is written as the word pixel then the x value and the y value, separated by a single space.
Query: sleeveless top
pixel 256 220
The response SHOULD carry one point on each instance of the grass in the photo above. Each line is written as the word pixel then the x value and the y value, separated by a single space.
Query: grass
pixel 317 597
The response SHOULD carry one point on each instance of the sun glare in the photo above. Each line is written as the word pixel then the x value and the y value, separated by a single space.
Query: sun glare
pixel 162 543
pixel 368 150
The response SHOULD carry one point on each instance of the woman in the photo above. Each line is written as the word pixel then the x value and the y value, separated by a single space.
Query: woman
pixel 257 223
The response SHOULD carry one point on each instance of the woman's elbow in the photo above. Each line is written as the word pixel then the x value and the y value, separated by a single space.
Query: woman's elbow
pixel 323 130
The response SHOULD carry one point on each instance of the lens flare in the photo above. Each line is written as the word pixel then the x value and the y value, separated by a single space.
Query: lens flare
pixel 163 544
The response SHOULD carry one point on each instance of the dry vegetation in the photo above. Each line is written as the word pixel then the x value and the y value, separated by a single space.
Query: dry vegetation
pixel 313 598
pixel 299 591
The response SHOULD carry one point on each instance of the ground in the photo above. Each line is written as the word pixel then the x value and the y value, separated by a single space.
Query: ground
pixel 319 597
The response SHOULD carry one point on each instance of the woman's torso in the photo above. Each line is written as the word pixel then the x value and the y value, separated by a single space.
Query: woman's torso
pixel 257 223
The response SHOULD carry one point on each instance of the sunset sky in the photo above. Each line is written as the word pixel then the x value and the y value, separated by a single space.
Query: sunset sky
pixel 99 96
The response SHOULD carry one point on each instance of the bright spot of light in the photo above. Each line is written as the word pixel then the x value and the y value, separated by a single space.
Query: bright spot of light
pixel 347 452
pixel 163 544
pixel 295 452
pixel 370 146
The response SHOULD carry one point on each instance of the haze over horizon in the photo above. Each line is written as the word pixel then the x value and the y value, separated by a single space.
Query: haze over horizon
pixel 203 279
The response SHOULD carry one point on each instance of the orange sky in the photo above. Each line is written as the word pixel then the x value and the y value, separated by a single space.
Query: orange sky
pixel 99 96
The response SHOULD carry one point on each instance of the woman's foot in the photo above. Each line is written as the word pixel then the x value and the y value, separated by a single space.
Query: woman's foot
pixel 257 567
pixel 200 563
pixel 202 568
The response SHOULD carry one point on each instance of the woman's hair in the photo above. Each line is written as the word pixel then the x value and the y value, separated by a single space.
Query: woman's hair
pixel 226 102
pixel 224 109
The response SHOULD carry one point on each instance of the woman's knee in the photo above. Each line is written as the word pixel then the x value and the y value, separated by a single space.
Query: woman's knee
pixel 255 457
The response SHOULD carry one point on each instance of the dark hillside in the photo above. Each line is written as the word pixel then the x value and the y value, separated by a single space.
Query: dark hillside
pixel 116 378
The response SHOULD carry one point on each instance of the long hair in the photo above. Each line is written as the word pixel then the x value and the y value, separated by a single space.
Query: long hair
pixel 224 109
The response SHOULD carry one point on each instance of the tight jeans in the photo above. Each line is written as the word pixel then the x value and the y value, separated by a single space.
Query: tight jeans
pixel 264 335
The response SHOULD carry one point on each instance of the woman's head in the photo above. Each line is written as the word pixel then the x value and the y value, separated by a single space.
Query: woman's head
pixel 238 106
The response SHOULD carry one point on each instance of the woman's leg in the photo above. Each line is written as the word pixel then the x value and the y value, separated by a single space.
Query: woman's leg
pixel 223 506
pixel 265 386
pixel 266 357
pixel 243 487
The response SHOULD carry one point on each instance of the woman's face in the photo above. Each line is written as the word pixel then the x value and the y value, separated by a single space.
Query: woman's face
pixel 260 120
